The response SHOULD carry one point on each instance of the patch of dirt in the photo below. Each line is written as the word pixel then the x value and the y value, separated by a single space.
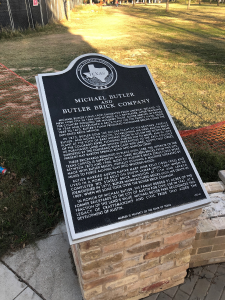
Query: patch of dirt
pixel 20 102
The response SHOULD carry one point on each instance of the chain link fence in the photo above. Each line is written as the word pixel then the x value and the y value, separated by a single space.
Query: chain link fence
pixel 18 14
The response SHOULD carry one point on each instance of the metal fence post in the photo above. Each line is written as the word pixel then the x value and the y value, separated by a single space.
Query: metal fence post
pixel 31 14
pixel 46 9
pixel 10 15
pixel 27 13
pixel 41 14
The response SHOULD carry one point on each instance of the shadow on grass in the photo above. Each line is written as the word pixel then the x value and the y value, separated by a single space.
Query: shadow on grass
pixel 207 162
pixel 30 206
pixel 29 200
pixel 160 11
pixel 207 53
pixel 180 125
pixel 194 42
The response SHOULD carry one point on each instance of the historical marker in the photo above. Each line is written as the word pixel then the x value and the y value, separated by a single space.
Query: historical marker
pixel 118 157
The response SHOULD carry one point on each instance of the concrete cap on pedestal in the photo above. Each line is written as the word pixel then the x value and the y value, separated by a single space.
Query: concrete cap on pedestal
pixel 222 175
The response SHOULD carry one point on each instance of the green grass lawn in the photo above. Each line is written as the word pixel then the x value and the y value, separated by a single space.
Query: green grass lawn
pixel 184 50
pixel 29 200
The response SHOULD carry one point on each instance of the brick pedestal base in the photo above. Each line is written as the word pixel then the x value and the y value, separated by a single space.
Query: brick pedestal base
pixel 209 243
pixel 136 262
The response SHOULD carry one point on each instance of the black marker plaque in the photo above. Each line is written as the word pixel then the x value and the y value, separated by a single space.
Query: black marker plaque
pixel 118 157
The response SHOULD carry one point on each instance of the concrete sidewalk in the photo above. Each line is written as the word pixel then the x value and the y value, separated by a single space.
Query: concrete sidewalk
pixel 46 271
pixel 40 271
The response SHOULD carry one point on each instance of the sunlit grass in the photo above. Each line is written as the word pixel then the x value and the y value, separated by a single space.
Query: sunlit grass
pixel 184 50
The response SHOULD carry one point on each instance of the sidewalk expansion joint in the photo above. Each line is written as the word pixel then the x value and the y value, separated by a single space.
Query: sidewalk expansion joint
pixel 22 280
pixel 20 292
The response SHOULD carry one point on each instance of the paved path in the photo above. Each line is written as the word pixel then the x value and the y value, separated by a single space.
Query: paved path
pixel 46 271
pixel 204 283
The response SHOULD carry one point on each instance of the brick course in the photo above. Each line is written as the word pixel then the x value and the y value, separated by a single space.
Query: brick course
pixel 150 257
pixel 209 243
pixel 135 262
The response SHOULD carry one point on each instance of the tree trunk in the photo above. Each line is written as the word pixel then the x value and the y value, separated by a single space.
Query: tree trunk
pixel 218 2
pixel 68 10
pixel 189 3
pixel 167 5
pixel 134 2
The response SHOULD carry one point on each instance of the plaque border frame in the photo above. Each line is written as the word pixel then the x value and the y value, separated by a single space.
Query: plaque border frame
pixel 120 225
